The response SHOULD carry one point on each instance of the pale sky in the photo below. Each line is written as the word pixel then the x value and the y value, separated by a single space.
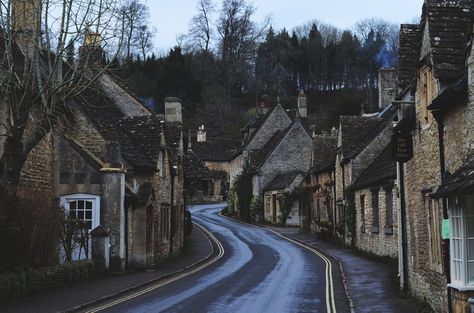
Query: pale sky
pixel 171 17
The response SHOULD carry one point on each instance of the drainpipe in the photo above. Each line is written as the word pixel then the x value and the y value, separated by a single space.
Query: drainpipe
pixel 343 206
pixel 403 229
pixel 442 164
pixel 335 202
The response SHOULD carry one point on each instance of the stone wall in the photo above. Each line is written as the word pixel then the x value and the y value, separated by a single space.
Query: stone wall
pixel 324 195
pixel 422 174
pixel 236 168
pixel 37 172
pixel 384 241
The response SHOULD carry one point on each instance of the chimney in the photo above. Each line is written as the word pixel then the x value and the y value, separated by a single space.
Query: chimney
pixel 387 86
pixel 91 51
pixel 333 132
pixel 302 105
pixel 173 110
pixel 201 134
pixel 26 24
pixel 312 129
pixel 113 155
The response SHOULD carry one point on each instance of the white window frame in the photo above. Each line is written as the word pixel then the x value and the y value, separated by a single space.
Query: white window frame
pixel 64 201
pixel 458 242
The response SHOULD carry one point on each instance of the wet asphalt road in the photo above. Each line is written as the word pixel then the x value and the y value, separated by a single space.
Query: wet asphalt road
pixel 259 272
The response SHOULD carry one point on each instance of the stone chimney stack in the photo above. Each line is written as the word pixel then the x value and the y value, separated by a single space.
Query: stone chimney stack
pixel 189 141
pixel 26 24
pixel 387 86
pixel 91 51
pixel 333 132
pixel 201 134
pixel 302 105
pixel 173 112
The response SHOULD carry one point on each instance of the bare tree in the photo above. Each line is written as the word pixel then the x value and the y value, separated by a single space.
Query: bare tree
pixel 36 81
pixel 138 35
pixel 239 38
pixel 200 32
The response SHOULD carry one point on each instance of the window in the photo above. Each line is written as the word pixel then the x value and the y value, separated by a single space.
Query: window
pixel 461 216
pixel 389 207
pixel 268 201
pixel 86 208
pixel 375 211
pixel 362 213
pixel 165 223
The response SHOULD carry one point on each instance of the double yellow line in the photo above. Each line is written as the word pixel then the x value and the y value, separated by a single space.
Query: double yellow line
pixel 330 302
pixel 167 281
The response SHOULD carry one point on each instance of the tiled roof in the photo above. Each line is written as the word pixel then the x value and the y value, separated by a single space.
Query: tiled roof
pixel 257 157
pixel 140 140
pixel 282 181
pixel 408 53
pixel 381 171
pixel 450 26
pixel 173 132
pixel 461 182
pixel 354 130
pixel 215 148
pixel 324 156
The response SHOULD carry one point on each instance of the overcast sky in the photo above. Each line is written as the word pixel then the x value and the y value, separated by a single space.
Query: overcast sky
pixel 171 17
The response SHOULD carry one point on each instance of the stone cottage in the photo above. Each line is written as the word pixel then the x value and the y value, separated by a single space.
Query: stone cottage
pixel 375 207
pixel 320 183
pixel 275 143
pixel 435 268
pixel 118 167
pixel 215 153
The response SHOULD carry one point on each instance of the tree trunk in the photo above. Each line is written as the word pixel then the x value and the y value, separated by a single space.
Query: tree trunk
pixel 12 161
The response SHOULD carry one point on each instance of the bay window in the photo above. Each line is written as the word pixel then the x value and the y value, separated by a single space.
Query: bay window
pixel 461 217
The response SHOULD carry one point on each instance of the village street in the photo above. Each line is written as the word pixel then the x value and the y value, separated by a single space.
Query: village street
pixel 259 272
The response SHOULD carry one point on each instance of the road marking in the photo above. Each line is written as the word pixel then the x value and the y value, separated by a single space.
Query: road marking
pixel 330 302
pixel 168 281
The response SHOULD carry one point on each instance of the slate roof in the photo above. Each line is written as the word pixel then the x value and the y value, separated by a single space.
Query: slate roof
pixel 408 54
pixel 215 148
pixel 140 140
pixel 354 130
pixel 459 183
pixel 258 157
pixel 450 26
pixel 324 156
pixel 282 181
pixel 381 171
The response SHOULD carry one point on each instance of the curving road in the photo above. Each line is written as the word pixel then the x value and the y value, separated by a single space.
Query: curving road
pixel 258 272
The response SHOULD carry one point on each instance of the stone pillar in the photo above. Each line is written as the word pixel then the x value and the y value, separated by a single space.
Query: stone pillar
pixel 114 214
pixel 100 247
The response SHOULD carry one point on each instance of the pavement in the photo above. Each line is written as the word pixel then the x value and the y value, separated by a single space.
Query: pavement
pixel 367 282
pixel 71 299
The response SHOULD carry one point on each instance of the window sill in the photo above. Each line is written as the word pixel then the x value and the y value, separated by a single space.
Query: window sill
pixel 461 287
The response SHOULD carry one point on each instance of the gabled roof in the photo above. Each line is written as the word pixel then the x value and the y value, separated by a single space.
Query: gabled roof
pixel 259 157
pixel 382 170
pixel 354 130
pixel 449 26
pixel 408 54
pixel 324 155
pixel 459 183
pixel 282 181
